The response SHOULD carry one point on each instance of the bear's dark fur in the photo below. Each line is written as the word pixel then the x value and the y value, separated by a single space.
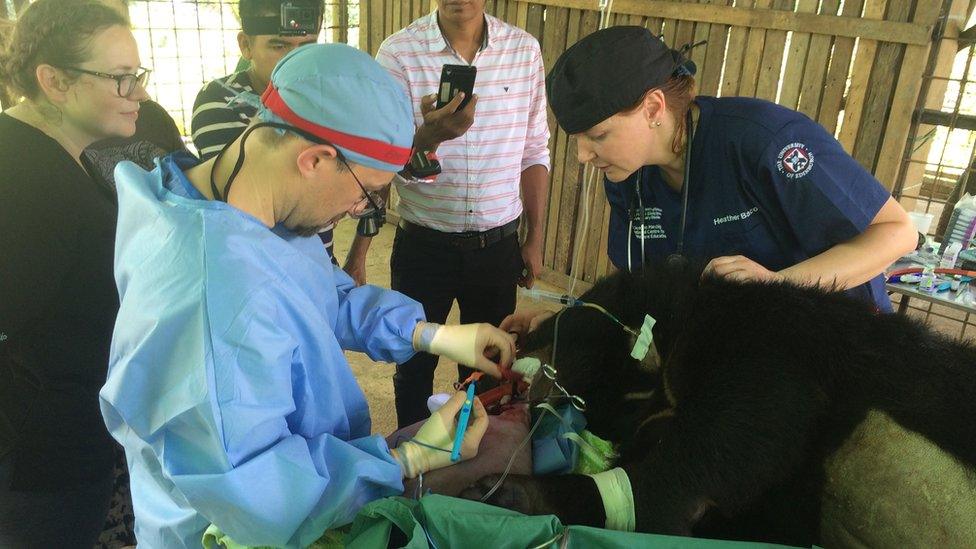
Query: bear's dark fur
pixel 762 383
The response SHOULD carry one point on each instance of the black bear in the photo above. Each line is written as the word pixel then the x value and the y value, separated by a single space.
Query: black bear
pixel 774 410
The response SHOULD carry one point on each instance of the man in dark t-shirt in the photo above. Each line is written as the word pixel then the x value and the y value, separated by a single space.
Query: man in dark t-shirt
pixel 217 118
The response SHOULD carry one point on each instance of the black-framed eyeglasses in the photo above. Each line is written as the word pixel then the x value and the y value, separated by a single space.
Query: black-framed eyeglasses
pixel 125 83
pixel 374 199
pixel 376 202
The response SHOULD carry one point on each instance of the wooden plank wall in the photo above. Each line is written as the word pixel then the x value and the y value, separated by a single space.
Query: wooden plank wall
pixel 6 27
pixel 854 66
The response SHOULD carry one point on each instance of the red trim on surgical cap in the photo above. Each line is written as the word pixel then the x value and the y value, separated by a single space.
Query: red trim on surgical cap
pixel 372 148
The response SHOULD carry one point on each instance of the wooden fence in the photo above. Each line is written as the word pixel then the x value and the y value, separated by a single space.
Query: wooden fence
pixel 855 69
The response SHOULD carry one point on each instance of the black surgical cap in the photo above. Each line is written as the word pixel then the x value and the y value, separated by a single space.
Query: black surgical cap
pixel 609 71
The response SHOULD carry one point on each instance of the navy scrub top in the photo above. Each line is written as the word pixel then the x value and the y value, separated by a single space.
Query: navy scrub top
pixel 766 182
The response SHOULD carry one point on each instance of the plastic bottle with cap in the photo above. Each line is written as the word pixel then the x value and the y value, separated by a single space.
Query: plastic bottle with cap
pixel 927 284
pixel 950 255
pixel 962 223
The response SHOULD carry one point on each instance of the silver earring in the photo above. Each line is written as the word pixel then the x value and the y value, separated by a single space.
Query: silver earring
pixel 657 123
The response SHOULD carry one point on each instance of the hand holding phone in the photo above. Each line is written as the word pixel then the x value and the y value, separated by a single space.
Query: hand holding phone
pixel 448 119
pixel 443 124
pixel 455 79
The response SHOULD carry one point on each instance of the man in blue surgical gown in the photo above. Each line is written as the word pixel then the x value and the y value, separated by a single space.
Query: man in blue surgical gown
pixel 227 383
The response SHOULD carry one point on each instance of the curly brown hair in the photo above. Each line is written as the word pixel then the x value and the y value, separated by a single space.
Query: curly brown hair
pixel 51 32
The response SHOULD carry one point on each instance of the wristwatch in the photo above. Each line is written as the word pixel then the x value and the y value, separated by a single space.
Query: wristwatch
pixel 423 165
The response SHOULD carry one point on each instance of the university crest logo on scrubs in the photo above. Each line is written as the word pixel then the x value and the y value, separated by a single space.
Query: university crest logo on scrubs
pixel 794 161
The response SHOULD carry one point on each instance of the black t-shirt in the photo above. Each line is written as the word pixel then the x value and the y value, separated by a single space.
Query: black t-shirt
pixel 58 304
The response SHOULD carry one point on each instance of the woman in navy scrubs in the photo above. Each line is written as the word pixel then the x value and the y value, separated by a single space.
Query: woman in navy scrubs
pixel 759 190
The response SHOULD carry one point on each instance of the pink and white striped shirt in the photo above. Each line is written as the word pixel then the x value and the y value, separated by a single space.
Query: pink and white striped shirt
pixel 479 188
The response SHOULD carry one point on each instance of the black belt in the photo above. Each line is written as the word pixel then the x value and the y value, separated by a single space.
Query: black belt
pixel 464 242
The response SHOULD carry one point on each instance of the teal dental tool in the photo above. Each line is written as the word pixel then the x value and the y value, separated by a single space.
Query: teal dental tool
pixel 462 425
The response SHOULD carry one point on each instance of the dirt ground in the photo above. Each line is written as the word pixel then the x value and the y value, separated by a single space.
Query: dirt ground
pixel 376 378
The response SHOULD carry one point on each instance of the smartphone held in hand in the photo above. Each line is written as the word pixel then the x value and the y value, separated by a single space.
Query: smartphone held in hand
pixel 454 79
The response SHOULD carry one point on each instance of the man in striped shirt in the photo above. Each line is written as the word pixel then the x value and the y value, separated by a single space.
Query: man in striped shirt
pixel 458 236
pixel 216 120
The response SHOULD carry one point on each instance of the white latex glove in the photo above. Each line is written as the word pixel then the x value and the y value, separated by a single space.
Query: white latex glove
pixel 467 344
pixel 431 447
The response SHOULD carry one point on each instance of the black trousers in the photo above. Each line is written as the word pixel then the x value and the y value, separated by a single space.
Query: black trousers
pixel 483 281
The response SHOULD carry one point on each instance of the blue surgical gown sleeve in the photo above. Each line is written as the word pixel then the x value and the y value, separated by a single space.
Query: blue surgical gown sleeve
pixel 217 411
pixel 375 321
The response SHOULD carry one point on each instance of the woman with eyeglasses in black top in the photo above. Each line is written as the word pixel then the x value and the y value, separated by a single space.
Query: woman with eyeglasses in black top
pixel 76 65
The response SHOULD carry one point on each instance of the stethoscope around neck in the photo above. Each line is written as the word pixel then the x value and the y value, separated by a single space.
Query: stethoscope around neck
pixel 677 258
